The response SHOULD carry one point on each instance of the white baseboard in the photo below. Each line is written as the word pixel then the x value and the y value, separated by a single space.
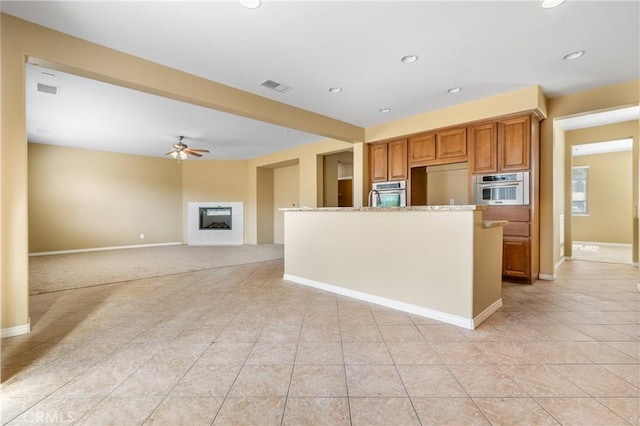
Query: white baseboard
pixel 47 253
pixel 394 304
pixel 487 312
pixel 552 277
pixel 15 331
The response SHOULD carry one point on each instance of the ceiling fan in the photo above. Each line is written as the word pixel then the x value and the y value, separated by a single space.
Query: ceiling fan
pixel 180 150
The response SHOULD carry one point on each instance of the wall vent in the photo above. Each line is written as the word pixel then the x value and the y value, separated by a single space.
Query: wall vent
pixel 273 85
pixel 45 88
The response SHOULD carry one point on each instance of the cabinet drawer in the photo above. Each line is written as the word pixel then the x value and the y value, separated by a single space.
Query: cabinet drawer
pixel 516 229
pixel 510 213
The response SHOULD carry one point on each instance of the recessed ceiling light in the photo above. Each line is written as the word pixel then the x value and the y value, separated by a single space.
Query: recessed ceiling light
pixel 409 59
pixel 385 109
pixel 335 90
pixel 455 90
pixel 573 55
pixel 548 4
pixel 251 4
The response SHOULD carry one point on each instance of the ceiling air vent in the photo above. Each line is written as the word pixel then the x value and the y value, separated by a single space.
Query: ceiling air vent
pixel 45 88
pixel 275 86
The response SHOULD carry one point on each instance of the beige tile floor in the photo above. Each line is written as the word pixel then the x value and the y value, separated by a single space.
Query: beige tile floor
pixel 238 345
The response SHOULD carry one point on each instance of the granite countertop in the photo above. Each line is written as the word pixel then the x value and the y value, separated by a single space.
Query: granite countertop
pixel 446 208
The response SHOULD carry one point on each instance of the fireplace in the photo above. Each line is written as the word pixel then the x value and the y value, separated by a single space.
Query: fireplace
pixel 215 223
pixel 216 218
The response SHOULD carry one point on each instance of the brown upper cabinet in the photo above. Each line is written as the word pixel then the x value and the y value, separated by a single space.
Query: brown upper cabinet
pixel 451 145
pixel 500 146
pixel 378 162
pixel 514 148
pixel 388 161
pixel 443 147
pixel 483 146
pixel 422 149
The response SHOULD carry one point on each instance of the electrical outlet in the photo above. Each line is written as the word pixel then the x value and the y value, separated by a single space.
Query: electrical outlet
pixel 142 236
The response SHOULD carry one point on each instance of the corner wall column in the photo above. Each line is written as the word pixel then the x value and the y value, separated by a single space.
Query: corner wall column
pixel 14 236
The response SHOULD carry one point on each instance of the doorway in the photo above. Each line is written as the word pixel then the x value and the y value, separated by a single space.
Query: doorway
pixel 601 186
pixel 601 210
pixel 338 179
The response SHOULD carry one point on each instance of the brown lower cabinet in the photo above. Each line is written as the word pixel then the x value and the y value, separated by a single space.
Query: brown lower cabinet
pixel 519 242
pixel 516 257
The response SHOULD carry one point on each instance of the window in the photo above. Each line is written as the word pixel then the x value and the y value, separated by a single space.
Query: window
pixel 579 185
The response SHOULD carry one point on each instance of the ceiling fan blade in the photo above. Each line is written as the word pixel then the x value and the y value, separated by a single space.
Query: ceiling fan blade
pixel 189 151
pixel 198 150
pixel 169 152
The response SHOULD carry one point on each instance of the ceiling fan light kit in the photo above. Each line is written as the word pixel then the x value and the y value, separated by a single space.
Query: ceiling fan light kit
pixel 180 150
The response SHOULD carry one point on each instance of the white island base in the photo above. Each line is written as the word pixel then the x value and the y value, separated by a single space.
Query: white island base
pixel 439 262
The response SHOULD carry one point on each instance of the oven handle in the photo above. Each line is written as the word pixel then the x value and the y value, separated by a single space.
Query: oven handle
pixel 513 183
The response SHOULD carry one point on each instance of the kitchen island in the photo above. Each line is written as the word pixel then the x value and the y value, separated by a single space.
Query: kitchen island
pixel 440 262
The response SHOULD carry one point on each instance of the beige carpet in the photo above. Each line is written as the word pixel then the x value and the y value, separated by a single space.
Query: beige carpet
pixel 601 252
pixel 66 271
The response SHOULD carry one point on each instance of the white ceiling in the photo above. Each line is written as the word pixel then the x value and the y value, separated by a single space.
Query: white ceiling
pixel 602 118
pixel 88 113
pixel 620 145
pixel 484 47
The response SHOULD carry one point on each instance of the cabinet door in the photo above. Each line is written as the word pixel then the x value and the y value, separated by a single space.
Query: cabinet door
pixel 483 145
pixel 514 144
pixel 397 160
pixel 452 144
pixel 378 162
pixel 515 257
pixel 422 149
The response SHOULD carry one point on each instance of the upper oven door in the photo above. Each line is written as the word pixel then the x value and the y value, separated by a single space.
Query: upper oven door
pixel 500 193
pixel 501 190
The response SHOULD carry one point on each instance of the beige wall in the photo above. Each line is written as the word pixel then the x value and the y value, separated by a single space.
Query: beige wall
pixel 447 182
pixel 610 207
pixel 211 180
pixel 286 191
pixel 487 267
pixel 86 199
pixel 339 249
pixel 309 158
pixel 264 211
pixel 525 99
